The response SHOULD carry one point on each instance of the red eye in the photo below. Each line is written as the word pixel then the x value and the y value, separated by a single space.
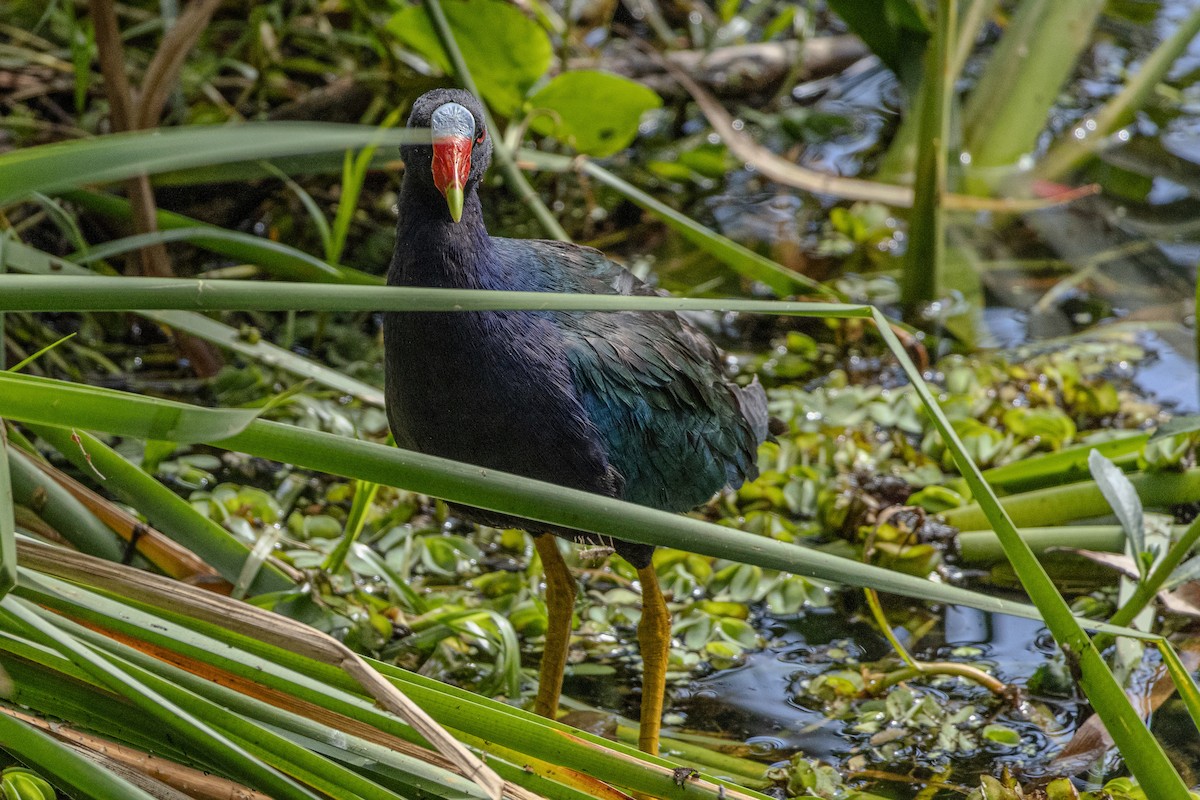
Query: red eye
pixel 482 135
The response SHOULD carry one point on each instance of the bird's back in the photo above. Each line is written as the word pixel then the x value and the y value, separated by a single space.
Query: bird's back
pixel 670 421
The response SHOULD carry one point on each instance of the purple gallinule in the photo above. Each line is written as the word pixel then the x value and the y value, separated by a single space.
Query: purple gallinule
pixel 629 405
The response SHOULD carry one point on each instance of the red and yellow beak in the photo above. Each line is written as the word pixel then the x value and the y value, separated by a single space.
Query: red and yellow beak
pixel 453 129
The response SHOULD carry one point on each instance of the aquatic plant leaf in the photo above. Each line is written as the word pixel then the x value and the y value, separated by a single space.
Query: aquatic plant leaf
pixel 1001 734
pixel 566 108
pixel 1123 498
pixel 505 51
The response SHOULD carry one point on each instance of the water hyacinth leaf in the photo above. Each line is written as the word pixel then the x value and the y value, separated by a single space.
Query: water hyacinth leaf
pixel 505 51
pixel 566 109
pixel 134 414
pixel 1002 735
pixel 60 166
pixel 1126 504
pixel 1051 425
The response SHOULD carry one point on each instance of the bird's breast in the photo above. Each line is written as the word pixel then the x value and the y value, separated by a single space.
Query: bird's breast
pixel 491 389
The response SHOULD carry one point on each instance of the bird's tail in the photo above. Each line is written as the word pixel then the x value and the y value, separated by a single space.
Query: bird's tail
pixel 752 402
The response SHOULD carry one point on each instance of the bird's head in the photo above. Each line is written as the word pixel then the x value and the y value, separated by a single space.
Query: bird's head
pixel 460 150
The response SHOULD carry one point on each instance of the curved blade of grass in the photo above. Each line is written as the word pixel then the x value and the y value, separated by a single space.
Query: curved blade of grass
pixel 315 269
pixel 26 259
pixel 325 163
pixel 166 510
pixel 66 768
pixel 207 740
pixel 8 524
pixel 545 502
pixel 60 166
pixel 741 259
pixel 145 414
pixel 315 214
pixel 275 258
pixel 1142 752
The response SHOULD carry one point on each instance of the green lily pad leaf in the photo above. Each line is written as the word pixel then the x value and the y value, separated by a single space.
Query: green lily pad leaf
pixel 597 113
pixel 505 51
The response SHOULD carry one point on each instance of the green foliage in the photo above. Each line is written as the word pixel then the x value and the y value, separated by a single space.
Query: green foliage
pixel 1059 789
pixel 465 619
pixel 895 30
pixel 566 109
pixel 506 51
pixel 507 54
pixel 17 783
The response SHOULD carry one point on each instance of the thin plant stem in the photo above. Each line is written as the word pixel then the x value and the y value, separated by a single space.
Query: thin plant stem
pixel 925 668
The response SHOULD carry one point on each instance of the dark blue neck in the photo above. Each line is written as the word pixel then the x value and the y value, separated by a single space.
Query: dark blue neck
pixel 434 250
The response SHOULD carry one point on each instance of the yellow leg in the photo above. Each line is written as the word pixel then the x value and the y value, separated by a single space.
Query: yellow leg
pixel 654 637
pixel 560 605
